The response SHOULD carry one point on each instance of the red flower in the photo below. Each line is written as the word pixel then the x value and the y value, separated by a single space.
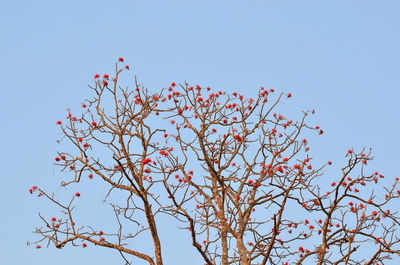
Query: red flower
pixel 38 246
pixel 146 161
pixel 33 189
pixel 101 232
pixel 90 176
pixel 289 95
pixel 84 245
pixel 321 132
pixel 329 162
pixel 127 67
pixel 80 139
pixel 333 184
pixel 59 122
pixel 106 76
pixel 57 159
pixel 96 76
pixel 105 83
pixel 94 124
pixel 121 59
pixel 238 138
pixel 77 194
pixel 173 84
pixel 53 219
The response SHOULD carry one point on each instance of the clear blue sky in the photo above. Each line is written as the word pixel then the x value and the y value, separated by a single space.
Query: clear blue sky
pixel 340 57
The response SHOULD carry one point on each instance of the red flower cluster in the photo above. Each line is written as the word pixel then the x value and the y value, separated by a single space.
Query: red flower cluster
pixel 33 189
pixel 146 161
pixel 164 153
pixel 238 138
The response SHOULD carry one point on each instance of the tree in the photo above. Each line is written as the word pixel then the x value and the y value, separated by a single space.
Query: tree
pixel 247 157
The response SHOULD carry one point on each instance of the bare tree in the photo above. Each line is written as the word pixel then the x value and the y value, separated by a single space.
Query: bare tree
pixel 237 174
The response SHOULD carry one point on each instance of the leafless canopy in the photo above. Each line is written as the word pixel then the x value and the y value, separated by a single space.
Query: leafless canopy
pixel 237 175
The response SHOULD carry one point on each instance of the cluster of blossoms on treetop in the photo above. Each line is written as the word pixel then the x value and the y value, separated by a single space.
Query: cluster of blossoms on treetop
pixel 237 173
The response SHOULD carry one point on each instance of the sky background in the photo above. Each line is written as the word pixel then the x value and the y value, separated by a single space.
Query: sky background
pixel 340 57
